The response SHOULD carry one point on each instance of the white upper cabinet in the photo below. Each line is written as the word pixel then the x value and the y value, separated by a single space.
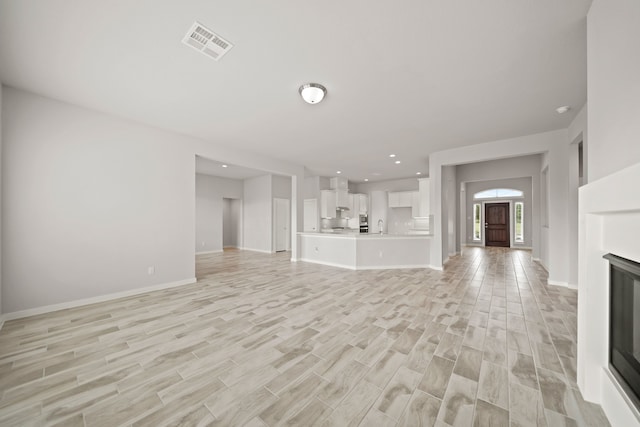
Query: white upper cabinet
pixel 342 198
pixel 328 204
pixel 363 201
pixel 400 199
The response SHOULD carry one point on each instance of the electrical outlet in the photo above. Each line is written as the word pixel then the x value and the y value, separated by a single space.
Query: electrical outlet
pixel 151 270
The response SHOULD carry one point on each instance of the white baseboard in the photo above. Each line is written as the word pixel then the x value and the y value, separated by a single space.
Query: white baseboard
pixel 435 268
pixel 392 267
pixel 209 252
pixel 330 264
pixel 572 286
pixel 366 267
pixel 539 261
pixel 93 300
pixel 557 283
pixel 256 250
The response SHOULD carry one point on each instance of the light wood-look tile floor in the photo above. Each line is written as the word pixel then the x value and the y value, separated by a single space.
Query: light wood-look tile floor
pixel 259 341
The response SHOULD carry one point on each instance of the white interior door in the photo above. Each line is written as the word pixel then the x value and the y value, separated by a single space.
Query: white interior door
pixel 281 224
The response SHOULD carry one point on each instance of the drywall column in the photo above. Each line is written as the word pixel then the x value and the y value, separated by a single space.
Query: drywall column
pixel 462 220
pixel 297 212
pixel 257 213
pixel 613 86
pixel 1 310
pixel 449 214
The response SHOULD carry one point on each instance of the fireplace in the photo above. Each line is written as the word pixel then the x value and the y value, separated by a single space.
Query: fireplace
pixel 624 324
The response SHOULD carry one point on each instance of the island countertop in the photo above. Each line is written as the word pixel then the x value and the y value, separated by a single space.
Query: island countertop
pixel 366 251
pixel 364 235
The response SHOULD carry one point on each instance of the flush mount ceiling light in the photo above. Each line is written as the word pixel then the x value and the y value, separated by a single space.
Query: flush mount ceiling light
pixel 392 155
pixel 225 166
pixel 563 109
pixel 366 180
pixel 418 173
pixel 338 172
pixel 397 162
pixel 312 93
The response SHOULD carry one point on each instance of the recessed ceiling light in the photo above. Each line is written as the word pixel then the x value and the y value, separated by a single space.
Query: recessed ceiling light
pixel 392 155
pixel 563 109
pixel 225 166
pixel 366 179
pixel 398 162
pixel 338 172
pixel 418 173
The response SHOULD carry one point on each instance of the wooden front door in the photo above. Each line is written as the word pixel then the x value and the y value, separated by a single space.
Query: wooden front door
pixel 496 226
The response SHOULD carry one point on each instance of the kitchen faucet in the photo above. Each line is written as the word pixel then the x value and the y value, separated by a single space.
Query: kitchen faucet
pixel 380 223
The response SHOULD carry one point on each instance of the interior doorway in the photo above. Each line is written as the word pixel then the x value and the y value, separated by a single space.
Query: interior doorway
pixel 281 227
pixel 231 223
pixel 496 226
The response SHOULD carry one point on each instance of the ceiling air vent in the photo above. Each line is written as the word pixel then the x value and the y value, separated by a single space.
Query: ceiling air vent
pixel 206 41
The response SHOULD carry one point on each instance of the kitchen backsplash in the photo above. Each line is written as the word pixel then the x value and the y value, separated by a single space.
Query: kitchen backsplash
pixel 400 221
pixel 327 223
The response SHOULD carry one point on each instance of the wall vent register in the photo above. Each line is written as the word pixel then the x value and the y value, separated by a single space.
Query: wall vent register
pixel 206 41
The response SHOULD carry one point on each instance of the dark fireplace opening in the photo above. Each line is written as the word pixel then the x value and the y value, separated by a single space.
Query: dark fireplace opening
pixel 624 324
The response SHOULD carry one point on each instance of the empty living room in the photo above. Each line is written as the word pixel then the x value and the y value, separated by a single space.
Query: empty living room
pixel 348 214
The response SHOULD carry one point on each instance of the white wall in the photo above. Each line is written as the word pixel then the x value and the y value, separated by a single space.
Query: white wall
pixel 577 133
pixel 449 213
pixel 257 213
pixel 90 201
pixel 613 64
pixel 506 169
pixel 406 184
pixel 210 191
pixel 1 87
pixel 281 187
pixel 609 204
pixel 555 143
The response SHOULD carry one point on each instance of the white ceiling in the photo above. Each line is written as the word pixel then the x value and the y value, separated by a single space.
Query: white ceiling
pixel 408 78
pixel 212 167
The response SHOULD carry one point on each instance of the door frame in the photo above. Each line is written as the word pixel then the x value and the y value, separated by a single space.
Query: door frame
pixel 274 230
pixel 509 204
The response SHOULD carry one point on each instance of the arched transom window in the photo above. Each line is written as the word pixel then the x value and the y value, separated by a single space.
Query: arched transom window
pixel 498 193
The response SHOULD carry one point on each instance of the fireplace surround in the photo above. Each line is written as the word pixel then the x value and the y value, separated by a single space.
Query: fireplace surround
pixel 609 222
pixel 624 324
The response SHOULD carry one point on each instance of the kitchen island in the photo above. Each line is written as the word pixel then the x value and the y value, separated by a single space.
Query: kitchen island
pixel 366 251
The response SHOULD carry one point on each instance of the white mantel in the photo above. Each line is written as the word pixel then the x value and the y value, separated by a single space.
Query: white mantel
pixel 609 222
